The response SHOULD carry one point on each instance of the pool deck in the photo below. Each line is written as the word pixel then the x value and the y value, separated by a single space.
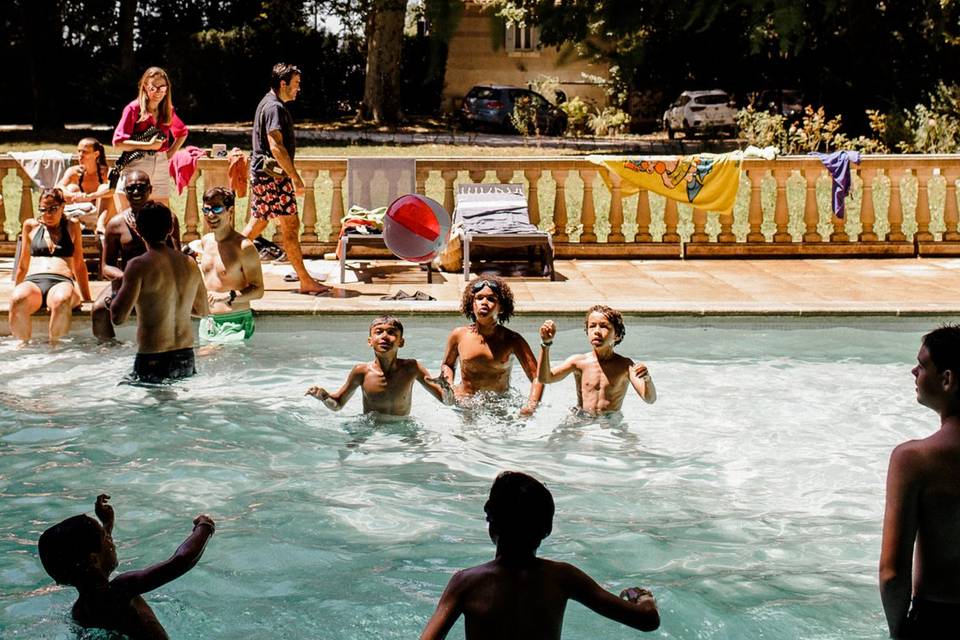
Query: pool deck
pixel 895 286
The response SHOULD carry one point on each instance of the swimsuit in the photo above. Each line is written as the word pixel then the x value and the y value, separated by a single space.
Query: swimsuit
pixel 272 197
pixel 46 281
pixel 161 367
pixel 223 328
pixel 932 620
pixel 40 248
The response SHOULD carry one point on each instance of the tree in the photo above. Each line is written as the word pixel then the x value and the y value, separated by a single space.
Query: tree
pixel 384 37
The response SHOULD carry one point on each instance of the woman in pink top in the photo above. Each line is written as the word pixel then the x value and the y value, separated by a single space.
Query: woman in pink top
pixel 153 108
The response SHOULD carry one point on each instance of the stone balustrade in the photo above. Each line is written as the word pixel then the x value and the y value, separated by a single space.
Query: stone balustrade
pixel 899 205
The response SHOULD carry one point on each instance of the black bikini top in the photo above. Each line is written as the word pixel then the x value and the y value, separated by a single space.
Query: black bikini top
pixel 39 247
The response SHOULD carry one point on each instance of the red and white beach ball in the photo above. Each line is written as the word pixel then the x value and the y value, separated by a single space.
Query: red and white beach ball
pixel 416 228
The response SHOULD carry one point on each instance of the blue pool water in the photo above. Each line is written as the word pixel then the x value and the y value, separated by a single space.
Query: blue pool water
pixel 749 498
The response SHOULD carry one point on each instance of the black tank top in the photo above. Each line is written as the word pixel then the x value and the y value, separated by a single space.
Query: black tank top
pixel 38 246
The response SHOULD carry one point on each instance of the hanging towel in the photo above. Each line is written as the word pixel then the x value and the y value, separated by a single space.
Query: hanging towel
pixel 45 167
pixel 183 165
pixel 838 164
pixel 707 181
pixel 238 172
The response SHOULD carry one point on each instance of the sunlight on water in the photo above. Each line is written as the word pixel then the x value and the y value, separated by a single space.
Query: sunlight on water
pixel 749 498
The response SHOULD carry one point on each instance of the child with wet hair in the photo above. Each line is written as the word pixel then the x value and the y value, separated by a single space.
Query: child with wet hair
pixel 517 594
pixel 79 552
pixel 602 375
pixel 387 381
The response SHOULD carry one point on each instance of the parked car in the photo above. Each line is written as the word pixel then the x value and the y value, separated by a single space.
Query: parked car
pixel 786 102
pixel 701 112
pixel 490 106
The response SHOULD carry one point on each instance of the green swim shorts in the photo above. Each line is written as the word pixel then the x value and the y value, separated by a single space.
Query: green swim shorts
pixel 227 327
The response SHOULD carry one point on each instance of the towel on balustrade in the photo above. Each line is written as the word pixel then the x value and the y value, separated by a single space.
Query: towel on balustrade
pixel 238 172
pixel 838 164
pixel 707 181
pixel 45 167
pixel 183 165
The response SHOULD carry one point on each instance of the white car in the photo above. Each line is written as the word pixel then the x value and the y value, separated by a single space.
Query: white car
pixel 701 112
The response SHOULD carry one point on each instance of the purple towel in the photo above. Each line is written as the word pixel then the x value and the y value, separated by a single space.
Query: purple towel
pixel 838 164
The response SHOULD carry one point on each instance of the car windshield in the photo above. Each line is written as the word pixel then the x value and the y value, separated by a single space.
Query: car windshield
pixel 483 93
pixel 713 98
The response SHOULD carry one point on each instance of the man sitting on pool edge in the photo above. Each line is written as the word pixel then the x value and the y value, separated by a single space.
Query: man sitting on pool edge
pixel 165 286
pixel 387 382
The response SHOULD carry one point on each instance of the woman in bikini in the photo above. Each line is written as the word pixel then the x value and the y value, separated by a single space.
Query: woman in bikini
pixel 150 113
pixel 86 186
pixel 50 271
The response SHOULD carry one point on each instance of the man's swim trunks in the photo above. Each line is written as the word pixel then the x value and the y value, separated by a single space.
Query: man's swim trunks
pixel 162 367
pixel 933 620
pixel 270 197
pixel 227 327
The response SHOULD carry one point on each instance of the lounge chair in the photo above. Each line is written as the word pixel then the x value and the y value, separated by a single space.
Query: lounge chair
pixel 496 215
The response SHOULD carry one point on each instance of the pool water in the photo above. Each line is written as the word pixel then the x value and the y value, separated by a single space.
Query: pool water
pixel 748 498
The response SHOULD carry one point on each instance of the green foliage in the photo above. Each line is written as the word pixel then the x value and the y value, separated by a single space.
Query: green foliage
pixel 547 86
pixel 608 121
pixel 524 117
pixel 577 113
pixel 814 132
pixel 935 127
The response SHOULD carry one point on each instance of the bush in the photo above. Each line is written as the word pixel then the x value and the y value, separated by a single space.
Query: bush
pixel 524 117
pixel 934 128
pixel 611 121
pixel 814 132
pixel 577 114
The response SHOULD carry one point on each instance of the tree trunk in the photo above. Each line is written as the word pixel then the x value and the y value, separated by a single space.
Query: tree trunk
pixel 43 48
pixel 125 26
pixel 381 89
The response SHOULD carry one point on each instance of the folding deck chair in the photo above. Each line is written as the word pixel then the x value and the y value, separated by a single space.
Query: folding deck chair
pixel 496 215
pixel 373 183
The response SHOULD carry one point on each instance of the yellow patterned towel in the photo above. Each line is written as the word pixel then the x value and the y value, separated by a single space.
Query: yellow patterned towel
pixel 707 181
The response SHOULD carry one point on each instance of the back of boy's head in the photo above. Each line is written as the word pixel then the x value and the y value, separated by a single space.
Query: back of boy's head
pixel 519 510
pixel 611 314
pixel 392 321
pixel 154 222
pixel 65 547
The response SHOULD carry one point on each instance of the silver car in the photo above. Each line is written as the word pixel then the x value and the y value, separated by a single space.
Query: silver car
pixel 701 112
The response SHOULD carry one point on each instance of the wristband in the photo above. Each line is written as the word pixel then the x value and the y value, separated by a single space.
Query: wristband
pixel 213 527
pixel 107 302
pixel 545 344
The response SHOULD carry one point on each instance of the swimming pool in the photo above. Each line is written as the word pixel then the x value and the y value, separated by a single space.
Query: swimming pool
pixel 749 497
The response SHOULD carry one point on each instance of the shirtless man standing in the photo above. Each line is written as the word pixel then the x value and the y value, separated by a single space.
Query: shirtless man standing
pixel 485 346
pixel 603 376
pixel 121 244
pixel 921 523
pixel 165 286
pixel 231 272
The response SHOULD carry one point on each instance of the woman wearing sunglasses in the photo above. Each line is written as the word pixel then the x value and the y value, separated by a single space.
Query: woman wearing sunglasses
pixel 50 271
pixel 484 347
pixel 151 126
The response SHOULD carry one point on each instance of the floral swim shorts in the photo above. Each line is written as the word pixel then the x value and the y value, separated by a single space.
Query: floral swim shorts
pixel 271 197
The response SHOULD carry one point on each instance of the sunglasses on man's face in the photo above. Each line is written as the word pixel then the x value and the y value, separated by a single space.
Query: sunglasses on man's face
pixel 137 188
pixel 215 210
pixel 485 283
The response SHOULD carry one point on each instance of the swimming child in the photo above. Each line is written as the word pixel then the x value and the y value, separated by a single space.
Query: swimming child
pixel 517 594
pixel 602 375
pixel 79 552
pixel 387 382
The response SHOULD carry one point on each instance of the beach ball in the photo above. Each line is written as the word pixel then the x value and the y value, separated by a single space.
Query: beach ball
pixel 416 228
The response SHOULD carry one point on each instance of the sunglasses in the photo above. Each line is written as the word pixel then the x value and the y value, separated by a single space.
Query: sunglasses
pixel 485 283
pixel 49 209
pixel 217 210
pixel 136 187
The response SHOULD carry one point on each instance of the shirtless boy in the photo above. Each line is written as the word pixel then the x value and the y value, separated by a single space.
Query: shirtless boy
pixel 484 347
pixel 517 594
pixel 387 382
pixel 166 288
pixel 121 244
pixel 79 552
pixel 919 556
pixel 602 375
pixel 231 272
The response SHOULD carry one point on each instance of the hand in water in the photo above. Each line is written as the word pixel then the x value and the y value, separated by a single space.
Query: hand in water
pixel 444 384
pixel 206 520
pixel 104 510
pixel 321 394
pixel 634 594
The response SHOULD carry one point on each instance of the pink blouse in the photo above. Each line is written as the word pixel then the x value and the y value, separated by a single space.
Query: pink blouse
pixel 128 125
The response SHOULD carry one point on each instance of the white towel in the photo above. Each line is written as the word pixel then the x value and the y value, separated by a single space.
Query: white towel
pixel 44 167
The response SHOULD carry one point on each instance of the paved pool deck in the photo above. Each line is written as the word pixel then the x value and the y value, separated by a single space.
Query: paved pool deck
pixel 891 287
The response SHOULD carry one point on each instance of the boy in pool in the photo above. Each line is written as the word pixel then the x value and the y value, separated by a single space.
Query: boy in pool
pixel 601 374
pixel 517 594
pixel 387 382
pixel 79 552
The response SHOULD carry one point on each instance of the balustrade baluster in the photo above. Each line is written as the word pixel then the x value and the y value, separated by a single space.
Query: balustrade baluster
pixel 781 214
pixel 699 226
pixel 533 194
pixel 755 212
pixel 421 180
pixel 26 197
pixel 895 211
pixel 726 227
pixel 671 217
pixel 811 212
pixel 587 213
pixel 337 176
pixel 191 213
pixel 950 216
pixel 309 233
pixel 867 214
pixel 505 176
pixel 477 175
pixel 923 206
pixel 616 209
pixel 448 175
pixel 643 217
pixel 560 205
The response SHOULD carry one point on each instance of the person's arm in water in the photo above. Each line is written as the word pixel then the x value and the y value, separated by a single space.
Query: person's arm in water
pixel 123 303
pixel 335 401
pixel 448 609
pixel 448 368
pixel 279 152
pixel 635 607
pixel 642 383
pixel 438 387
pixel 529 365
pixel 545 373
pixel 899 534
pixel 79 264
pixel 184 559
